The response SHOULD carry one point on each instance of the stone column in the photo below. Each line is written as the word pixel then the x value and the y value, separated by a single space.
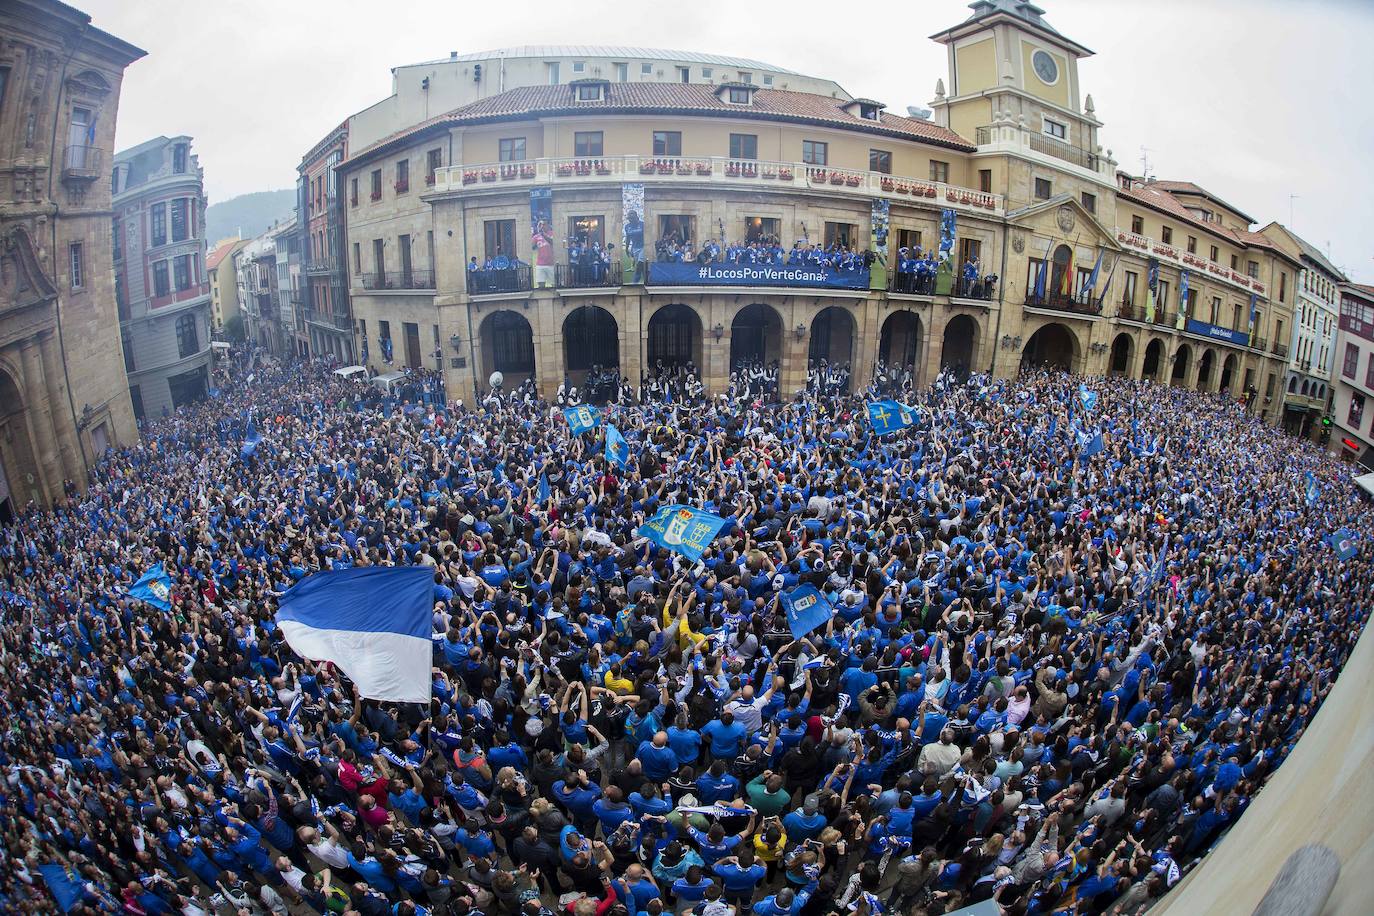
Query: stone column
pixel 933 331
pixel 40 421
pixel 715 354
pixel 868 324
pixel 634 339
pixel 65 432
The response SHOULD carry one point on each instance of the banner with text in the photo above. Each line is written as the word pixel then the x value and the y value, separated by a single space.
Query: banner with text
pixel 632 223
pixel 879 225
pixel 814 275
pixel 1204 329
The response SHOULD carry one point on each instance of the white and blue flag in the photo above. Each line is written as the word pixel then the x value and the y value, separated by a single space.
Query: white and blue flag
pixel 683 529
pixel 617 449
pixel 806 609
pixel 374 622
pixel 582 419
pixel 890 417
pixel 154 587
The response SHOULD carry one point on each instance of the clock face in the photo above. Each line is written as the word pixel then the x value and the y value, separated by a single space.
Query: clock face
pixel 1045 67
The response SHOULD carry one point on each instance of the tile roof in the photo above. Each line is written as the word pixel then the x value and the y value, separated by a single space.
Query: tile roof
pixel 220 253
pixel 1187 187
pixel 1157 196
pixel 680 99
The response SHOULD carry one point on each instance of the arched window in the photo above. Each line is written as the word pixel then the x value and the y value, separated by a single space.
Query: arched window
pixel 188 342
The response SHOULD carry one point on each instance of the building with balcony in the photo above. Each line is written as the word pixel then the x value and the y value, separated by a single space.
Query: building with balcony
pixel 286 261
pixel 1307 395
pixel 63 393
pixel 160 262
pixel 459 228
pixel 326 311
pixel 224 287
pixel 1352 408
pixel 256 264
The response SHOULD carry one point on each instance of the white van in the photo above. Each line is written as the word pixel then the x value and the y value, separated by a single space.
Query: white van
pixel 389 382
pixel 350 371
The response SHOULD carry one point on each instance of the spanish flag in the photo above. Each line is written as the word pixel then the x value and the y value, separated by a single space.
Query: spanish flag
pixel 1066 281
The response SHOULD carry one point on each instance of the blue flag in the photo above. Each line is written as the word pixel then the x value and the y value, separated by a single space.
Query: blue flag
pixel 683 529
pixel 582 419
pixel 250 441
pixel 154 587
pixel 1311 489
pixel 1090 445
pixel 374 622
pixel 617 449
pixel 1087 397
pixel 1343 542
pixel 65 889
pixel 890 417
pixel 544 491
pixel 806 609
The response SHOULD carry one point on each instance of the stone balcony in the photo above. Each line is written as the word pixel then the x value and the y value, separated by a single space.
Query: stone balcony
pixel 715 172
pixel 1172 254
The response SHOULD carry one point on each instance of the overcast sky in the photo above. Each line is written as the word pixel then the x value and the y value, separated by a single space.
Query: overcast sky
pixel 1255 101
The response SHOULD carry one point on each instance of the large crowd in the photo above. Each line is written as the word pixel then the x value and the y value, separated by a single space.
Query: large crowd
pixel 1050 681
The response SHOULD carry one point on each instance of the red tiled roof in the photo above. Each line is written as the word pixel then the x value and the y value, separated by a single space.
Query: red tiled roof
pixel 681 99
pixel 1187 187
pixel 220 253
pixel 1156 196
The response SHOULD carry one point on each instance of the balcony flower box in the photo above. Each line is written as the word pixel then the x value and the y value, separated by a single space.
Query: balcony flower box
pixel 583 168
pixel 402 187
pixel 664 168
pixel 703 168
pixel 784 174
pixel 509 172
pixel 887 184
pixel 770 174
pixel 564 169
pixel 684 169
pixel 376 195
pixel 647 168
pixel 527 171
pixel 836 178
pixel 732 170
pixel 852 181
pixel 602 168
pixel 488 174
pixel 901 187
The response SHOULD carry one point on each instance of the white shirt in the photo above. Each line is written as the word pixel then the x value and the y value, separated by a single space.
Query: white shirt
pixel 330 852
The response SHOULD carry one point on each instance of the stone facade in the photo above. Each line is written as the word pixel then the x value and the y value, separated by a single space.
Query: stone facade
pixel 64 396
pixel 1011 153
pixel 1352 408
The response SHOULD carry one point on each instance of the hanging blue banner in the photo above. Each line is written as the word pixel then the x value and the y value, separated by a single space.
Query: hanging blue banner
pixel 672 273
pixel 683 529
pixel 1203 329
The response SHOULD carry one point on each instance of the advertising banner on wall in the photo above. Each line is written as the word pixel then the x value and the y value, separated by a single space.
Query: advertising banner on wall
pixel 669 273
pixel 1203 329
pixel 878 235
pixel 632 219
pixel 541 237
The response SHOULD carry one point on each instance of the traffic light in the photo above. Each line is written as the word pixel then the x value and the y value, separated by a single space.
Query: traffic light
pixel 1326 421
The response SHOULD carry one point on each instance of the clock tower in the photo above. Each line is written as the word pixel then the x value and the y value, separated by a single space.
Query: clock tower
pixel 1009 67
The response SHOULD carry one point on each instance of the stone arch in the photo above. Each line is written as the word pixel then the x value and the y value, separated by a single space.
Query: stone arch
pixel 507 343
pixel 20 474
pixel 1154 359
pixel 1292 384
pixel 1182 357
pixel 755 335
pixel 900 342
pixel 1053 344
pixel 1206 364
pixel 1228 373
pixel 834 336
pixel 591 337
pixel 959 346
pixel 1123 348
pixel 674 337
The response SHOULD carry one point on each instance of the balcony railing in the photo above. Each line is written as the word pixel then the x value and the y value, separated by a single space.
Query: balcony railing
pixel 515 279
pixel 403 186
pixel 1280 350
pixel 83 163
pixel 1174 255
pixel 321 266
pixel 329 320
pixel 1065 151
pixel 912 283
pixel 400 279
pixel 589 276
pixel 712 170
pixel 1259 343
pixel 1129 312
pixel 1061 303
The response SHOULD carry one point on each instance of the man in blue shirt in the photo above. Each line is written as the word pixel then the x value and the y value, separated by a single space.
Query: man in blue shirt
pixel 656 757
pixel 725 735
pixel 740 875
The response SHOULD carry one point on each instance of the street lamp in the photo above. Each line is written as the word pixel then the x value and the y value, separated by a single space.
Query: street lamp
pixel 456 342
pixel 800 331
pixel 718 331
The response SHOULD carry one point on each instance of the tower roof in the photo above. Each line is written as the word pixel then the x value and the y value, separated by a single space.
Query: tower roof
pixel 1021 12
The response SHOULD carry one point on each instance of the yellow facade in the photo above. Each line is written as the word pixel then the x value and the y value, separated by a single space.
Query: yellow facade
pixel 1052 195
